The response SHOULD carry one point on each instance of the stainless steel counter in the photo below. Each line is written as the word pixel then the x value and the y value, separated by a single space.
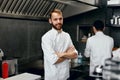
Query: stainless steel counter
pixel 79 71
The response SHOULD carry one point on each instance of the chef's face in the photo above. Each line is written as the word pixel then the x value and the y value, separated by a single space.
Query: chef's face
pixel 56 20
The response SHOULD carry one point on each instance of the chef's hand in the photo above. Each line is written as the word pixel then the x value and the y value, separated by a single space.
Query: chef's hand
pixel 60 58
pixel 71 53
pixel 70 49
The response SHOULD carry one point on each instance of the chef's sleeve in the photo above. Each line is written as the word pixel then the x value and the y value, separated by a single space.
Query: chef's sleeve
pixel 49 53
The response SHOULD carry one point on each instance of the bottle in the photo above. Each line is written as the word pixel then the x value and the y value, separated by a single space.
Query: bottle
pixel 1 54
pixel 80 58
pixel 76 60
pixel 4 69
pixel 114 17
pixel 16 67
pixel 112 21
pixel 116 20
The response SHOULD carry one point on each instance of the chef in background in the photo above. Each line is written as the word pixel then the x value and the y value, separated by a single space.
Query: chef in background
pixel 58 49
pixel 98 47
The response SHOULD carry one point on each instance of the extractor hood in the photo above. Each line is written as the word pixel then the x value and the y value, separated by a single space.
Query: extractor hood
pixel 75 7
pixel 28 9
pixel 40 9
pixel 92 2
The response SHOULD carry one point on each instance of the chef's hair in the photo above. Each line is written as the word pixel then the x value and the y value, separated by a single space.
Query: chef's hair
pixel 55 11
pixel 99 25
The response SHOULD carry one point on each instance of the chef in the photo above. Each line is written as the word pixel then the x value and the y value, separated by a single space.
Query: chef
pixel 58 49
pixel 98 47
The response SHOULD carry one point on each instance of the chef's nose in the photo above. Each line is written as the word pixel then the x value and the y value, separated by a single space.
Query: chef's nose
pixel 58 20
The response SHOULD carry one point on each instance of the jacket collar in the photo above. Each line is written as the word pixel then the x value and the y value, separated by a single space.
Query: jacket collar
pixel 56 32
pixel 99 33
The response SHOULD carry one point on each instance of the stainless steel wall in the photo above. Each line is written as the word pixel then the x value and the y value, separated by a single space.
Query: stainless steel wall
pixel 22 38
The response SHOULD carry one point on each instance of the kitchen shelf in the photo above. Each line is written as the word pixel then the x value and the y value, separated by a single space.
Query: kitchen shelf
pixel 113 12
pixel 110 25
pixel 114 6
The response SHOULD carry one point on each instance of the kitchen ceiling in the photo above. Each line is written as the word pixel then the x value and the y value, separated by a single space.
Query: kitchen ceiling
pixel 39 9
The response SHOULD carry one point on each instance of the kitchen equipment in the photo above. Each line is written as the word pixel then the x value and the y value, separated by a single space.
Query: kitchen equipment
pixel 24 76
pixel 111 69
pixel 9 67
pixel 98 72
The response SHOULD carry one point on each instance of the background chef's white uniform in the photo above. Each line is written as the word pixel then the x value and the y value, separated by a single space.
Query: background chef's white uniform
pixel 52 42
pixel 98 48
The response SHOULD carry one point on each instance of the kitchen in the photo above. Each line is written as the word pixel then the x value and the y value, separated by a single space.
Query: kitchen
pixel 23 22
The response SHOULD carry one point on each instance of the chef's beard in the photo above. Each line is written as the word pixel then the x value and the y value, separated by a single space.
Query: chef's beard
pixel 57 26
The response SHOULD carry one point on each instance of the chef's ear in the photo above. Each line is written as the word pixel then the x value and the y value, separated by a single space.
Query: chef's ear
pixel 94 29
pixel 50 21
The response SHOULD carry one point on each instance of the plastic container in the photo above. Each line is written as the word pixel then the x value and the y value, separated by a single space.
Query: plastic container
pixel 5 67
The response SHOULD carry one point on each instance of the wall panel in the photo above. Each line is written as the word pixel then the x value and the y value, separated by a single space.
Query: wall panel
pixel 22 38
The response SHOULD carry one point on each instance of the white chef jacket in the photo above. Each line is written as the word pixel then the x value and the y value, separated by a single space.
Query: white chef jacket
pixel 52 42
pixel 98 48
